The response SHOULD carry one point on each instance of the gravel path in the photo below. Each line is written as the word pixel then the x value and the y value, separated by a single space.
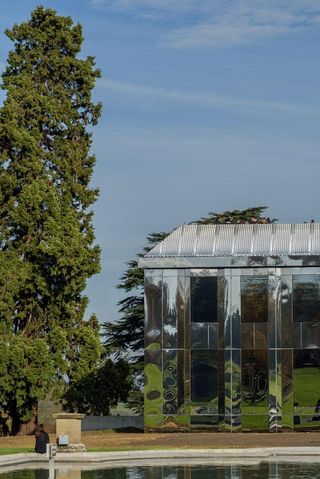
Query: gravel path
pixel 101 439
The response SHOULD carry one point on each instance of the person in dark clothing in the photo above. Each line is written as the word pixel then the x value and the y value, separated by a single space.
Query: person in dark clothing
pixel 42 439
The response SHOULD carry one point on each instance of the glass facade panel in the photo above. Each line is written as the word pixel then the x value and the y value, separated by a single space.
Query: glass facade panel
pixel 170 376
pixel 306 298
pixel 247 335
pixel 287 381
pixel 204 299
pixel 170 312
pixel 306 381
pixel 153 387
pixel 261 336
pixel 199 336
pixel 213 335
pixel 153 312
pixel 254 299
pixel 232 349
pixel 254 423
pixel 202 422
pixel 204 377
pixel 254 382
pixel 310 335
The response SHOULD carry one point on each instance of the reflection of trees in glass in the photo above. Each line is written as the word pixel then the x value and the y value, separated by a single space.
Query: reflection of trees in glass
pixel 117 473
pixel 254 299
pixel 41 474
pixel 254 376
pixel 262 470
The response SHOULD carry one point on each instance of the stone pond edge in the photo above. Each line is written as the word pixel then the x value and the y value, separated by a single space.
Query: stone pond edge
pixel 122 456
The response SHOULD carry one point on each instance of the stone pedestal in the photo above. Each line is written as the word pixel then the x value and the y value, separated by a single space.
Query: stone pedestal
pixel 69 424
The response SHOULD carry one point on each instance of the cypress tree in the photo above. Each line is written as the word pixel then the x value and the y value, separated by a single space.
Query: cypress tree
pixel 45 171
pixel 47 244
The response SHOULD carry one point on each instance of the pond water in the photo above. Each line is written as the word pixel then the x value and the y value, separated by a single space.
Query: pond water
pixel 263 470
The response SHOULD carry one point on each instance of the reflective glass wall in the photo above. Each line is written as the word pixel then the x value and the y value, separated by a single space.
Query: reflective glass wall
pixel 232 349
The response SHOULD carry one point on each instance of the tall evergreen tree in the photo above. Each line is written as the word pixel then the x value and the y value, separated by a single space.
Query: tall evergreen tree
pixel 47 248
pixel 125 337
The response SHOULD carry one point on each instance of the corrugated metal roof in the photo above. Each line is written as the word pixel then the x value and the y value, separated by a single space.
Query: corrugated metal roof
pixel 240 240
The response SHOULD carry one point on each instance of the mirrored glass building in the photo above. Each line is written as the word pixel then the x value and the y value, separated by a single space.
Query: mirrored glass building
pixel 232 329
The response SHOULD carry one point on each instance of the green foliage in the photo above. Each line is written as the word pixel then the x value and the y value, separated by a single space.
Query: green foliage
pixel 47 249
pixel 127 334
pixel 247 216
pixel 45 170
pixel 26 371
pixel 100 388
pixel 125 337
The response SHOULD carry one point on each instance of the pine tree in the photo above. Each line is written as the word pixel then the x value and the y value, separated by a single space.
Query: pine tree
pixel 125 337
pixel 47 249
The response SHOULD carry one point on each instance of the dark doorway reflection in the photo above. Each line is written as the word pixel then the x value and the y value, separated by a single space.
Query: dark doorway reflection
pixel 254 299
pixel 306 297
pixel 204 299
pixel 204 377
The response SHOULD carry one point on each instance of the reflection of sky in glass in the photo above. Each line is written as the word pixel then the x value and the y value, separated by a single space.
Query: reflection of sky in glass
pixel 170 286
pixel 170 329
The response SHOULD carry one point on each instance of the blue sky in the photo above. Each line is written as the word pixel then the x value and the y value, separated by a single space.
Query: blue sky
pixel 208 105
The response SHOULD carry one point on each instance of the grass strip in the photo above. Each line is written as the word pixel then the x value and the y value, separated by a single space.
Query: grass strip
pixel 160 448
pixel 14 450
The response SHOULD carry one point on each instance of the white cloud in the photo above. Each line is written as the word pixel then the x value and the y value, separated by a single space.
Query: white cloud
pixel 247 21
pixel 208 100
pixel 219 23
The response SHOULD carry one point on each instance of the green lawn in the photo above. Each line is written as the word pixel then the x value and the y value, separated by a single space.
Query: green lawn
pixel 306 387
pixel 13 450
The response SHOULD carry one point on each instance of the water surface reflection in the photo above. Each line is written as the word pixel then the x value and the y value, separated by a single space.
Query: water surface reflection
pixel 263 470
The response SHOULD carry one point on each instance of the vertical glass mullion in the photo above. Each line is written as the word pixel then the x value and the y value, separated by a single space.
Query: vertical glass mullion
pixel 278 330
pixel 227 350
pixel 275 373
pixel 185 286
pixel 279 389
pixel 232 350
pixel 153 310
pixel 170 294
pixel 235 350
pixel 221 342
pixel 272 390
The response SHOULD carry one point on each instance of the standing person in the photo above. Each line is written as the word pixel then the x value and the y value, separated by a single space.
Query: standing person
pixel 42 439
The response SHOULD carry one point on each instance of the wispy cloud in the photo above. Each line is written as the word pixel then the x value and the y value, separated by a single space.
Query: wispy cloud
pixel 207 100
pixel 247 21
pixel 159 7
pixel 219 23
